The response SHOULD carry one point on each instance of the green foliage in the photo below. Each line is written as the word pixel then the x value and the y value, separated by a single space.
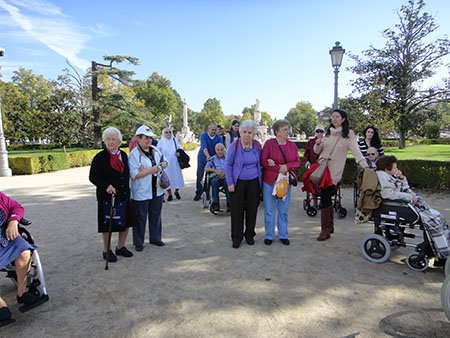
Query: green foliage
pixel 432 129
pixel 390 80
pixel 211 112
pixel 303 118
pixel 189 146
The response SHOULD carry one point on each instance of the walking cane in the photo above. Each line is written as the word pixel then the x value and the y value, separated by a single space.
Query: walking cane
pixel 111 214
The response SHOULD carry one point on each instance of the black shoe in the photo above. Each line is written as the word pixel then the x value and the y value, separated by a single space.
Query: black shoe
pixel 138 247
pixel 285 241
pixel 197 198
pixel 109 256
pixel 158 243
pixel 170 198
pixel 5 314
pixel 123 251
pixel 177 195
pixel 236 245
pixel 268 241
pixel 250 241
pixel 27 298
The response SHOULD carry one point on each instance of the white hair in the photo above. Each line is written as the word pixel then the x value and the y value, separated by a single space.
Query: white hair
pixel 248 124
pixel 112 130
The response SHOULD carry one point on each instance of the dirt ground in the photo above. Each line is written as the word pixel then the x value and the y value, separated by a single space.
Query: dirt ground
pixel 199 286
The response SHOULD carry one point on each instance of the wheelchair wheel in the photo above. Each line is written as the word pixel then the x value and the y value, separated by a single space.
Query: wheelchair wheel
pixel 375 248
pixel 445 296
pixel 417 262
pixel 342 212
pixel 205 200
pixel 447 268
pixel 311 211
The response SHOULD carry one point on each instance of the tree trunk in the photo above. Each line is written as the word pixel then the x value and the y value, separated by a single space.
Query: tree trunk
pixel 401 140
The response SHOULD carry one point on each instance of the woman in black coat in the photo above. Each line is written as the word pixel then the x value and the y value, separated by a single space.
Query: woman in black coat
pixel 111 175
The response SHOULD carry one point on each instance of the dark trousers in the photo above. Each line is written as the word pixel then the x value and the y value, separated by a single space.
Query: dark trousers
pixel 244 206
pixel 150 209
pixel 326 197
pixel 200 173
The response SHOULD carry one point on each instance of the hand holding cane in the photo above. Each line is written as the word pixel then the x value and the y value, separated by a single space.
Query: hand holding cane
pixel 111 215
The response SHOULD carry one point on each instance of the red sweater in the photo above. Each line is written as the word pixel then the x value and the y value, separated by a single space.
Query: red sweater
pixel 272 151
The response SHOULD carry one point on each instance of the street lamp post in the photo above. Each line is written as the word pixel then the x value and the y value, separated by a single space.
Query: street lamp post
pixel 337 52
pixel 4 166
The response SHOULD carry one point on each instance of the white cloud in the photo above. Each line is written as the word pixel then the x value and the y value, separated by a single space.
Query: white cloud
pixel 46 23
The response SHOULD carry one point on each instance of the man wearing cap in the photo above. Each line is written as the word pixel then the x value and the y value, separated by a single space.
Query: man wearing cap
pixel 146 162
pixel 310 157
pixel 208 141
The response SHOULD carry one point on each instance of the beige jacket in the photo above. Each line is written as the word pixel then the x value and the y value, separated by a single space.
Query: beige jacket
pixel 339 156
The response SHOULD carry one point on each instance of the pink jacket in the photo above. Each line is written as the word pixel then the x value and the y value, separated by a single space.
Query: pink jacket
pixel 13 210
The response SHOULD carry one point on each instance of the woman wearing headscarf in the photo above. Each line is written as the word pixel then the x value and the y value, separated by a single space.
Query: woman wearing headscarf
pixel 111 175
pixel 168 146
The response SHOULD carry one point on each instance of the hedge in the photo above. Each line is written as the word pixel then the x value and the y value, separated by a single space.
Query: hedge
pixel 51 162
pixel 421 174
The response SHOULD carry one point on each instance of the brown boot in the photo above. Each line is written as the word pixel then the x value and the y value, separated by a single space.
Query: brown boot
pixel 324 222
pixel 331 220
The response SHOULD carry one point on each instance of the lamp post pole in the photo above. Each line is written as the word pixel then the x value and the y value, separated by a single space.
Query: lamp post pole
pixel 337 53
pixel 4 166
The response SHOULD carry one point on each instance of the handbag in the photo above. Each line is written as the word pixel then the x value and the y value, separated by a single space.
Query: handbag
pixel 119 213
pixel 164 181
pixel 292 177
pixel 317 174
pixel 183 158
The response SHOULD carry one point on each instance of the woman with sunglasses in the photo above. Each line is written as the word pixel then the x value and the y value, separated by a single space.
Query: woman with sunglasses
pixel 168 146
pixel 310 156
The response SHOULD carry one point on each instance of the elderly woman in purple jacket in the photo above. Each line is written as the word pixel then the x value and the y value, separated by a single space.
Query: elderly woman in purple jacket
pixel 243 175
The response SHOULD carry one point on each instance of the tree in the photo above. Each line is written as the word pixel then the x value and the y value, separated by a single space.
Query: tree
pixel 103 100
pixel 211 112
pixel 391 79
pixel 303 118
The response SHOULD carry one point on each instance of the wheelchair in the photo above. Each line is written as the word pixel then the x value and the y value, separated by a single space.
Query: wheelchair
pixel 445 291
pixel 35 276
pixel 311 203
pixel 206 194
pixel 394 223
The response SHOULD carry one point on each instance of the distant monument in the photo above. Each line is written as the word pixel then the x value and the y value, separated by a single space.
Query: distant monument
pixel 185 136
pixel 257 117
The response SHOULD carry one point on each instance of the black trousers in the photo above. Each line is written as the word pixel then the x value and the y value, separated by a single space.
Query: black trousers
pixel 244 206
pixel 326 197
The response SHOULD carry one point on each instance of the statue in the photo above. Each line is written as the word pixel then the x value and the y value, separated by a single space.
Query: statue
pixel 185 114
pixel 257 113
pixel 186 135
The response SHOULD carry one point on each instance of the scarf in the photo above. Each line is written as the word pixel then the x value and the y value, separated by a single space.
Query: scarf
pixel 115 161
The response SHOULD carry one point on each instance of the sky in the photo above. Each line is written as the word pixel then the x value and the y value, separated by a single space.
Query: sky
pixel 234 50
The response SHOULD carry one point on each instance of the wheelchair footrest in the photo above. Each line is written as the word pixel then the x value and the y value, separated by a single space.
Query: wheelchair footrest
pixel 6 322
pixel 40 301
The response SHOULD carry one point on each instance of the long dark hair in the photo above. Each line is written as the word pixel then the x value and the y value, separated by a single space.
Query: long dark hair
pixel 375 142
pixel 345 123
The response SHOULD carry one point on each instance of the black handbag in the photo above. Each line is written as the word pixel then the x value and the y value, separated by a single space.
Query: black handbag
pixel 292 177
pixel 119 213
pixel 183 158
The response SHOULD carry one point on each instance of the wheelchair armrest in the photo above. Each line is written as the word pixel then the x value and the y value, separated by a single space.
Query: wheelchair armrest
pixel 398 203
pixel 24 221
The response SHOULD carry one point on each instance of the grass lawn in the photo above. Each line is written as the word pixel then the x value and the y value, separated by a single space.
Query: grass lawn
pixel 433 152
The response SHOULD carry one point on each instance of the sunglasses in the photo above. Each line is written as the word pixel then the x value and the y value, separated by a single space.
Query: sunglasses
pixel 168 132
pixel 319 131
pixel 371 154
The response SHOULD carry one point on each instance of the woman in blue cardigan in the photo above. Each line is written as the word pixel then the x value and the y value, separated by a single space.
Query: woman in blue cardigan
pixel 243 175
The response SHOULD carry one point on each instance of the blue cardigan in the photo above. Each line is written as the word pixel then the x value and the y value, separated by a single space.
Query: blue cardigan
pixel 210 144
pixel 234 161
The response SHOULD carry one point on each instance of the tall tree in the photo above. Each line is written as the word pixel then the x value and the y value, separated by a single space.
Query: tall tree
pixel 211 112
pixel 303 118
pixel 391 79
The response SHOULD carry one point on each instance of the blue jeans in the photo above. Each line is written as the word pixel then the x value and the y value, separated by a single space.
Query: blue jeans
pixel 271 205
pixel 200 173
pixel 216 183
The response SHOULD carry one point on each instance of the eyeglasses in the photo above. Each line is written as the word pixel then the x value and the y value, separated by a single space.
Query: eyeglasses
pixel 371 154
pixel 319 131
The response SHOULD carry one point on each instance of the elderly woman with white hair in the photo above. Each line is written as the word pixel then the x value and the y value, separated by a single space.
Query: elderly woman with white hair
pixel 168 146
pixel 243 176
pixel 111 175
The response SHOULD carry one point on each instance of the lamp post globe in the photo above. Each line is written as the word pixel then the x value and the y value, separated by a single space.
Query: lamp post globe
pixel 337 53
pixel 4 166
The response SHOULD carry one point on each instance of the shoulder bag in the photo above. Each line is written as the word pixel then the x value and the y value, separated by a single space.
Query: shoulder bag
pixel 317 174
pixel 292 177
pixel 183 158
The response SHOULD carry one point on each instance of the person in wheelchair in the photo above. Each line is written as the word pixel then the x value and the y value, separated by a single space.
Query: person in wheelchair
pixel 394 186
pixel 216 170
pixel 14 248
pixel 372 157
